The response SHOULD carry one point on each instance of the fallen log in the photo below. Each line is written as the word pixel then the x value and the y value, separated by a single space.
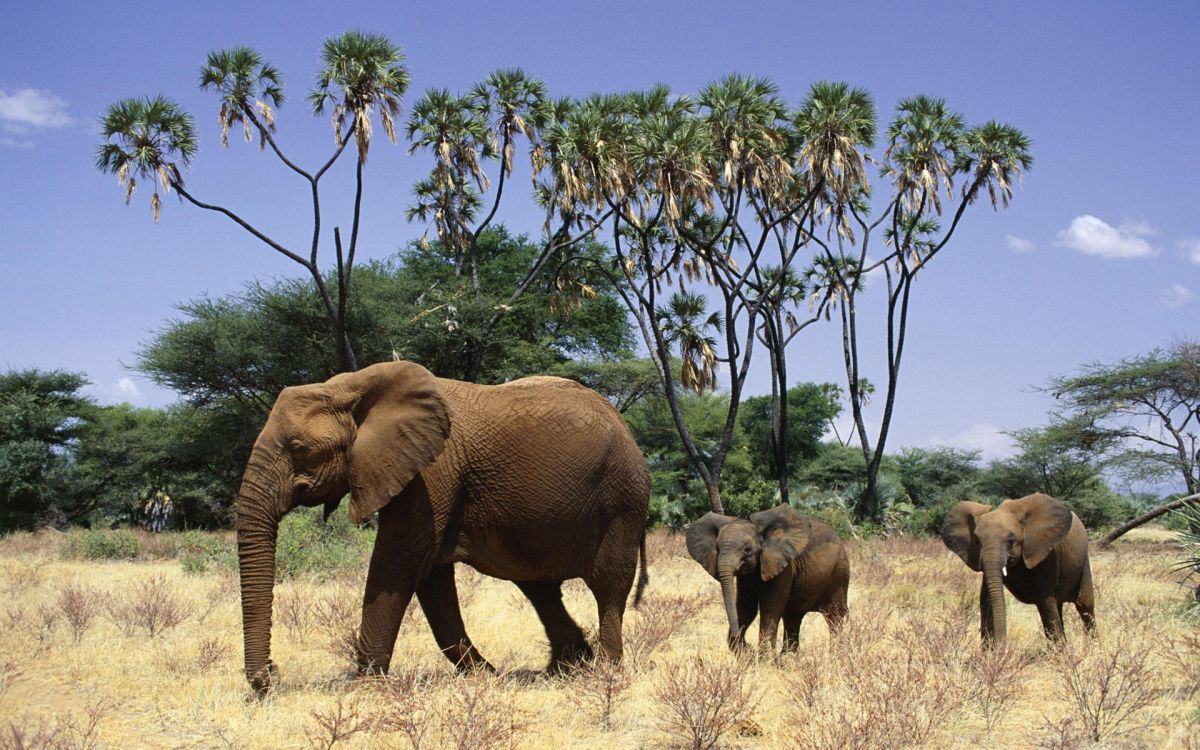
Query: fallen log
pixel 1149 516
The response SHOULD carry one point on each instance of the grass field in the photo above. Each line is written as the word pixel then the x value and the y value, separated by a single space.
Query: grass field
pixel 139 654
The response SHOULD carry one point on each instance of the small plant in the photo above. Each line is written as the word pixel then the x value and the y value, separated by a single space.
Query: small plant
pixel 481 715
pixel 702 700
pixel 294 611
pixel 408 704
pixel 44 624
pixel 600 687
pixel 153 606
pixel 78 607
pixel 998 671
pixel 340 723
pixel 658 619
pixel 1110 686
pixel 23 576
pixel 101 544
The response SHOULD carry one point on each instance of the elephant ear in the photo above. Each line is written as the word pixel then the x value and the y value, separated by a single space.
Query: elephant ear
pixel 702 540
pixel 402 424
pixel 1046 522
pixel 783 534
pixel 958 531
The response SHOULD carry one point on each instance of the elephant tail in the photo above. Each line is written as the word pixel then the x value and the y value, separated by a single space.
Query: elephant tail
pixel 643 576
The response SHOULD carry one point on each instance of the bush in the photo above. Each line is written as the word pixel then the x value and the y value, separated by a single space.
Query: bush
pixel 101 544
pixel 306 545
pixel 1101 508
pixel 200 552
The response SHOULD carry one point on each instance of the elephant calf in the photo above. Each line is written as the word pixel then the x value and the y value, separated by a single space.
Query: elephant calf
pixel 1036 547
pixel 786 565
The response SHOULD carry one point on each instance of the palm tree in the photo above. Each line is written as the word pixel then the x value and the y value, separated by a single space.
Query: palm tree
pixel 239 75
pixel 925 150
pixel 684 325
pixel 1001 155
pixel 361 72
pixel 147 138
pixel 836 124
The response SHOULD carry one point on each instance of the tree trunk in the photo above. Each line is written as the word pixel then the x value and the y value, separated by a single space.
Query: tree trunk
pixel 1147 517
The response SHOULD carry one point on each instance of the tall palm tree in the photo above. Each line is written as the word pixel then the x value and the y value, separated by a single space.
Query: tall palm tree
pixel 146 138
pixel 240 75
pixel 361 72
pixel 1000 155
pixel 685 325
pixel 836 124
pixel 925 150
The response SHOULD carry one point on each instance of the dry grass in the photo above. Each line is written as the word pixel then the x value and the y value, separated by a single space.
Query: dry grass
pixel 906 671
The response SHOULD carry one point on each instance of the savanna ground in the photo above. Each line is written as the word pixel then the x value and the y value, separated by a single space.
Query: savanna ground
pixel 141 654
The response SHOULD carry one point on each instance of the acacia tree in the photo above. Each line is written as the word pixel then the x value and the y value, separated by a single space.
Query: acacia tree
pixel 1141 413
pixel 154 139
pixel 929 147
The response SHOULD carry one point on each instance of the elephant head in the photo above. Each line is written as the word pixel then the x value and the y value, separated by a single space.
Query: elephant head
pixel 728 547
pixel 367 433
pixel 1022 531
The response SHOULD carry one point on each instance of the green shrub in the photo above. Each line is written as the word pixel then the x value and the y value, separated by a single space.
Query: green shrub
pixel 200 552
pixel 101 544
pixel 308 546
pixel 839 518
pixel 1101 508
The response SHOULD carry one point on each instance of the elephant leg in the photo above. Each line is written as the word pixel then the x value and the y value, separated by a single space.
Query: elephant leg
pixel 611 578
pixel 401 559
pixel 791 630
pixel 836 610
pixel 1085 601
pixel 1050 610
pixel 568 645
pixel 439 599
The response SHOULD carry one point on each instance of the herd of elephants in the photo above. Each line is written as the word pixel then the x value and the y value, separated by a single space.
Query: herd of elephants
pixel 538 481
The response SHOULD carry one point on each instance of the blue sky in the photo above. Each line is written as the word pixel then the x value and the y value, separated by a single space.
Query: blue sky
pixel 1097 259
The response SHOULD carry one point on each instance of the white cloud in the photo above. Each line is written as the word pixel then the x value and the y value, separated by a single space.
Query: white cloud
pixel 1191 249
pixel 25 108
pixel 988 439
pixel 1177 295
pixel 1019 245
pixel 14 143
pixel 122 391
pixel 1092 236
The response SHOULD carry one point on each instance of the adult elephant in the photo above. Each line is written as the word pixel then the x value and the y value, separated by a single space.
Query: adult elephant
pixel 535 481
pixel 785 565
pixel 1036 547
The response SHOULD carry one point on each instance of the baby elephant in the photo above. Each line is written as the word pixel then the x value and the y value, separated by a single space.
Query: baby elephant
pixel 786 565
pixel 1037 547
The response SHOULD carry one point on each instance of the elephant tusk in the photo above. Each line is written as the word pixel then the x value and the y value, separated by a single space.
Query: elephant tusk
pixel 1004 571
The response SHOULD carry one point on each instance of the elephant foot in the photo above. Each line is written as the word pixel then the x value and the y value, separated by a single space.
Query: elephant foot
pixel 372 666
pixel 470 661
pixel 265 679
pixel 568 660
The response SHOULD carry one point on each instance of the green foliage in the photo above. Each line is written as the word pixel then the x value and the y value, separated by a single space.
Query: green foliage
pixel 1049 460
pixel 308 546
pixel 835 467
pixel 200 552
pixel 1100 507
pixel 100 544
pixel 810 409
pixel 41 417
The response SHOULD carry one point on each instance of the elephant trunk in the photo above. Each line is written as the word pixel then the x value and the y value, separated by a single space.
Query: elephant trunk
pixel 258 513
pixel 725 576
pixel 993 578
